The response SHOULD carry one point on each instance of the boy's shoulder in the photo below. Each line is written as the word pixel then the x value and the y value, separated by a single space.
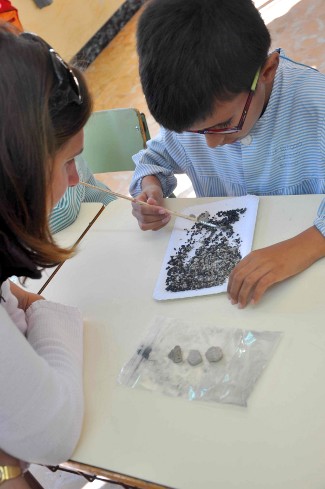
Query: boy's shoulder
pixel 294 79
pixel 299 72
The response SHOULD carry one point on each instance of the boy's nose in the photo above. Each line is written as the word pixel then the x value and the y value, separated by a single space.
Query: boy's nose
pixel 214 140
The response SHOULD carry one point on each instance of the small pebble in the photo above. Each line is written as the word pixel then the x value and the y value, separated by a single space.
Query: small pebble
pixel 204 216
pixel 214 354
pixel 194 357
pixel 176 354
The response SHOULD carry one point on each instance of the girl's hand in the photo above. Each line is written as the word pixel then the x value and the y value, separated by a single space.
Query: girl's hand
pixel 25 299
pixel 16 483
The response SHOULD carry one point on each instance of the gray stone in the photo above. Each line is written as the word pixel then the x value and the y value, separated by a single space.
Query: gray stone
pixel 176 354
pixel 194 357
pixel 214 354
pixel 204 216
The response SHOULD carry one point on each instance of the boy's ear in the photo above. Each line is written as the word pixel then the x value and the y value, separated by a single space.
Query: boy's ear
pixel 269 68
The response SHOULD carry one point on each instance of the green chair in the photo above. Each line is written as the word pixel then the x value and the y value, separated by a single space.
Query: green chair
pixel 112 137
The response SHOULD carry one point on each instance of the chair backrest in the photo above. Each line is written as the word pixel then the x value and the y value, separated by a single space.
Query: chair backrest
pixel 112 137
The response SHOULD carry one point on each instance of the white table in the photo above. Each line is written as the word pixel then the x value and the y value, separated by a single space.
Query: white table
pixel 277 442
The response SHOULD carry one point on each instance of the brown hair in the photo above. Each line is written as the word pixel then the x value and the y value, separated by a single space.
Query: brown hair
pixel 32 130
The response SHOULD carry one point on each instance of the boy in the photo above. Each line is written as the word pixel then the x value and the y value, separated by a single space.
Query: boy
pixel 67 209
pixel 235 119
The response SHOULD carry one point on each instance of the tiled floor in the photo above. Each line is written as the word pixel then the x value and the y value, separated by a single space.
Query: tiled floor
pixel 298 26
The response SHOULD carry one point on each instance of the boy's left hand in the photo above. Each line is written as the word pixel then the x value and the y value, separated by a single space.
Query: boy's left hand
pixel 262 268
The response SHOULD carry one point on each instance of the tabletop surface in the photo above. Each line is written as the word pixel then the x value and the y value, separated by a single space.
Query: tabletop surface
pixel 277 441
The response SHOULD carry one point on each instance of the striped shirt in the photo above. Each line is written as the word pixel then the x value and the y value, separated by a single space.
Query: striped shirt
pixel 67 209
pixel 284 154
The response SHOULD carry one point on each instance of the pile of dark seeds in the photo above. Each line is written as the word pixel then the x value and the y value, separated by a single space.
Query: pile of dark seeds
pixel 216 254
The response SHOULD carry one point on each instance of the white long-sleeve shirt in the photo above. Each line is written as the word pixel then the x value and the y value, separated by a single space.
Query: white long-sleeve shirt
pixel 41 401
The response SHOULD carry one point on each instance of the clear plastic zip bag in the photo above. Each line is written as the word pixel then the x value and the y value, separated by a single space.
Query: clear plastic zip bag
pixel 230 380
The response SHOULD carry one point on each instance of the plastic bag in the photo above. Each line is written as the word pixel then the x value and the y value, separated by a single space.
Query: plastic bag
pixel 231 380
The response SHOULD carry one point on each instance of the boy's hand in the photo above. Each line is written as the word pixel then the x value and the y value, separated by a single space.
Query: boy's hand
pixel 25 299
pixel 154 217
pixel 262 268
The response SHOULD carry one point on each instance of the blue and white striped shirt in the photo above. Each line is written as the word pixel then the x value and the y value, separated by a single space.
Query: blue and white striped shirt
pixel 285 154
pixel 67 209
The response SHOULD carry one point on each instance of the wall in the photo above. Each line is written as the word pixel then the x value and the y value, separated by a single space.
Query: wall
pixel 66 24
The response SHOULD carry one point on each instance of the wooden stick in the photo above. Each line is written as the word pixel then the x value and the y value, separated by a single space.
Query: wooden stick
pixel 76 243
pixel 131 199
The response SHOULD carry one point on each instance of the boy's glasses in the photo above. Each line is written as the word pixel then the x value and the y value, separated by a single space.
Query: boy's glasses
pixel 230 130
pixel 68 89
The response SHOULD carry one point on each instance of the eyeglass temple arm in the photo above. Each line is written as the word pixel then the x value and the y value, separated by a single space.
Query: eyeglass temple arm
pixel 249 99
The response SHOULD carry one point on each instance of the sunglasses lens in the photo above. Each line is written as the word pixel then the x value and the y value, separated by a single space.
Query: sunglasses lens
pixel 62 71
pixel 68 89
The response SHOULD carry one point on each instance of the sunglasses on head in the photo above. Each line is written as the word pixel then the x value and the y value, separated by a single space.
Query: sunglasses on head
pixel 68 88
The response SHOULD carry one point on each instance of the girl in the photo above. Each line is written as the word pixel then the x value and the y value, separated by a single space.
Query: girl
pixel 44 105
